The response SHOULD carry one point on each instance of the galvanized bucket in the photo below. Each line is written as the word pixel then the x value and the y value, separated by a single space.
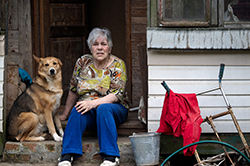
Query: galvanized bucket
pixel 146 147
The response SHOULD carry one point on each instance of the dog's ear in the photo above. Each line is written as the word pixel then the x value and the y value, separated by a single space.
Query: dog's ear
pixel 36 58
pixel 60 62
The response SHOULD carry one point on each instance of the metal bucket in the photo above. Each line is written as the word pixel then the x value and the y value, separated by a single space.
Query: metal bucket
pixel 146 147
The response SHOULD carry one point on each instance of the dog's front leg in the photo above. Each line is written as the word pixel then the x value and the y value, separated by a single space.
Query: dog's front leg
pixel 58 123
pixel 51 126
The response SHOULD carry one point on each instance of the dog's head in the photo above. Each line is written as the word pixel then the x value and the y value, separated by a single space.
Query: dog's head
pixel 49 66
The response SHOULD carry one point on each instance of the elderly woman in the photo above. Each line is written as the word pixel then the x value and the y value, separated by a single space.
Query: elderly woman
pixel 97 96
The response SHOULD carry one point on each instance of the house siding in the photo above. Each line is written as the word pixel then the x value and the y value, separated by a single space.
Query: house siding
pixel 2 56
pixel 195 69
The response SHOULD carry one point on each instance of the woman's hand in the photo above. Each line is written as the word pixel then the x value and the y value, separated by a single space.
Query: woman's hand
pixel 85 105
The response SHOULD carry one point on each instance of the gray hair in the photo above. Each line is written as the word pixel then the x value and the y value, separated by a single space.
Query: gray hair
pixel 96 33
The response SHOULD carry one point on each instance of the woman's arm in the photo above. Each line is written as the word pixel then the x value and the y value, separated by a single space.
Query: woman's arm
pixel 71 100
pixel 86 105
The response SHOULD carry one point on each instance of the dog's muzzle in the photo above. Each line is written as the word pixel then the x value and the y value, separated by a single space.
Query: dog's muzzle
pixel 52 71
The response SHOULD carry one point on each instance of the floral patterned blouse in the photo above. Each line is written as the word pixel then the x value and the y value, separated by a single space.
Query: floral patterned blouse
pixel 91 83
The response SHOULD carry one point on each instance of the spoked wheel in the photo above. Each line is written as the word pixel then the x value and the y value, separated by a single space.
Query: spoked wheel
pixel 239 158
pixel 222 160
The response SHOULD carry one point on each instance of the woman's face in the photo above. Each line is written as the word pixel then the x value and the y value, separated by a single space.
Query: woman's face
pixel 100 49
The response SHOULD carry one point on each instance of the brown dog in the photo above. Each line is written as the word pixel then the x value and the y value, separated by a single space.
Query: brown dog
pixel 35 109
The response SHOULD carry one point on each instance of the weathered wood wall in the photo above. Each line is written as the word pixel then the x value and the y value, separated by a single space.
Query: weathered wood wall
pixel 19 30
pixel 20 39
pixel 138 36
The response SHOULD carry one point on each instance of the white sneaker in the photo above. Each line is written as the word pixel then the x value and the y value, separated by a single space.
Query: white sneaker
pixel 64 163
pixel 109 163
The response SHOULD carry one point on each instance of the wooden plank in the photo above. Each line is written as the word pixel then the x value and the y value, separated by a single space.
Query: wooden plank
pixel 60 14
pixel 25 38
pixel 226 127
pixel 136 70
pixel 179 24
pixel 44 28
pixel 197 72
pixel 3 14
pixel 139 29
pixel 142 49
pixel 136 80
pixel 221 126
pixel 128 48
pixel 13 34
pixel 135 58
pixel 139 4
pixel 36 31
pixel 206 101
pixel 13 18
pixel 204 39
pixel 154 114
pixel 13 45
pixel 139 12
pixel 137 87
pixel 230 87
pixel 134 44
pixel 138 37
pixel 136 98
pixel 71 31
pixel 153 126
pixel 153 13
pixel 139 20
pixel 201 58
pixel 13 41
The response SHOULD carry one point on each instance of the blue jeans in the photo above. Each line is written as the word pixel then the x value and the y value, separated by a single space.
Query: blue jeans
pixel 104 119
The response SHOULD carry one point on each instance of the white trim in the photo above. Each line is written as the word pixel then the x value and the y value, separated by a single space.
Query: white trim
pixel 196 39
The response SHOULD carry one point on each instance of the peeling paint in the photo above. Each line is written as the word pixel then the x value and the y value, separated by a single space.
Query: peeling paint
pixel 224 39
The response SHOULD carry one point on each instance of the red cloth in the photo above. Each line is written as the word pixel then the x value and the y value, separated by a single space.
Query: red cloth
pixel 181 117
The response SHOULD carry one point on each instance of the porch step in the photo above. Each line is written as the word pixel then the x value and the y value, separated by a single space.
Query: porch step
pixel 126 129
pixel 48 152
pixel 130 126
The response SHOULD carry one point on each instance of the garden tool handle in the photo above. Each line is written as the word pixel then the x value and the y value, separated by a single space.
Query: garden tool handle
pixel 222 66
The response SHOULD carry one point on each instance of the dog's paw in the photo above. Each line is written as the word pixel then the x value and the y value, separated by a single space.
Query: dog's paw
pixel 57 138
pixel 41 138
pixel 61 132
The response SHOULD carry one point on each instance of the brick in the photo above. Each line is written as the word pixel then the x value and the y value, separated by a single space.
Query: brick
pixel 12 147
pixel 97 157
pixel 16 157
pixel 47 152
pixel 50 147
pixel 30 146
pixel 87 148
pixel 25 157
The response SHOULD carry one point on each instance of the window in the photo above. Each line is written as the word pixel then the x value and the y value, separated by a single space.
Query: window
pixel 236 13
pixel 203 13
pixel 184 12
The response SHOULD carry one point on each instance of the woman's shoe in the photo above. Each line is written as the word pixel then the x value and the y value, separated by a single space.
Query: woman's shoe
pixel 65 160
pixel 109 163
pixel 64 163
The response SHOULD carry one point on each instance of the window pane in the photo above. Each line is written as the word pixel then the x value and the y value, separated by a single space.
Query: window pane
pixel 237 10
pixel 190 10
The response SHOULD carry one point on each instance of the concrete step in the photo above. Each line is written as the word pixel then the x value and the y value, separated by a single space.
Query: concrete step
pixel 55 164
pixel 48 152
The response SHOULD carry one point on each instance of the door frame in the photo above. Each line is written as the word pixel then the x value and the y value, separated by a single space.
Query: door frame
pixel 38 29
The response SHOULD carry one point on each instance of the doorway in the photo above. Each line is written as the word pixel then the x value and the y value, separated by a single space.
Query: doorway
pixel 61 27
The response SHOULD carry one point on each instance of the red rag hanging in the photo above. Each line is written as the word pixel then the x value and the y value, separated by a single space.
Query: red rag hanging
pixel 181 117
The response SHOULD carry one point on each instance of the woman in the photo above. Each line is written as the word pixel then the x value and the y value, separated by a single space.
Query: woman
pixel 97 96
